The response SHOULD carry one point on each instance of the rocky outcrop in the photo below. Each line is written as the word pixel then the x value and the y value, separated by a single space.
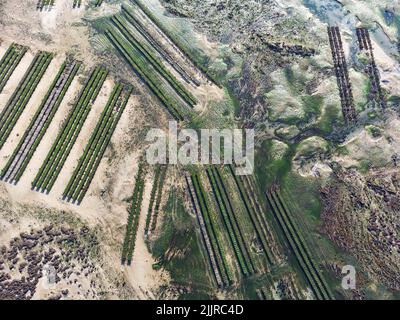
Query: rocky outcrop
pixel 362 216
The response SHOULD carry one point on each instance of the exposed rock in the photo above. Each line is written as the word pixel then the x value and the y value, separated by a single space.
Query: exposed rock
pixel 362 215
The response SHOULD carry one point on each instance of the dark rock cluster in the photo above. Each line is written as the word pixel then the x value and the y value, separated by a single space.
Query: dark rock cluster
pixel 285 289
pixel 23 262
pixel 361 215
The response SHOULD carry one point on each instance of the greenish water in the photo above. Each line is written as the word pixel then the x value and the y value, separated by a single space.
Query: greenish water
pixel 269 171
pixel 179 234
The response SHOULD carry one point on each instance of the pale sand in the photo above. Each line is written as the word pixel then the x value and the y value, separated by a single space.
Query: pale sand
pixel 139 273
pixel 389 69
pixel 62 24
pixel 206 94
pixel 109 211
